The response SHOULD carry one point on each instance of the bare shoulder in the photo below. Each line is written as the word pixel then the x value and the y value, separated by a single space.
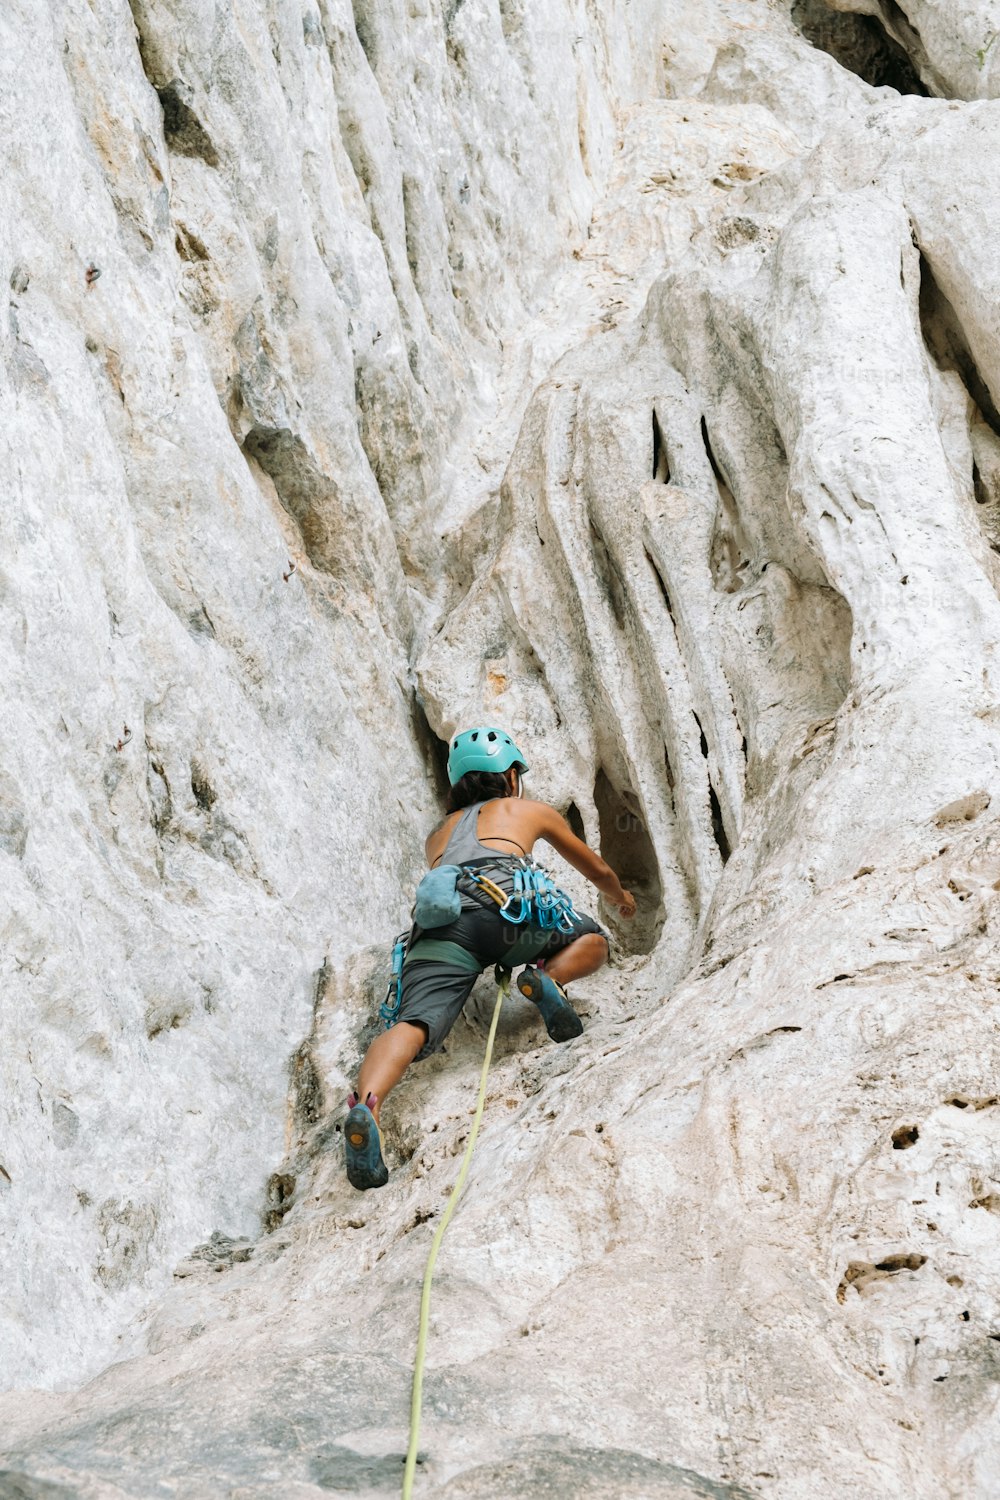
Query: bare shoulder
pixel 544 808
pixel 438 836
pixel 542 815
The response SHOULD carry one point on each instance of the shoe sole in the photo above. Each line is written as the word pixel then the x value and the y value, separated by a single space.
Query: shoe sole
pixel 561 1021
pixel 358 1130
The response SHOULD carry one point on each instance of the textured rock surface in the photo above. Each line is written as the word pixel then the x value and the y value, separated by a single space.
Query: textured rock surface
pixel 631 379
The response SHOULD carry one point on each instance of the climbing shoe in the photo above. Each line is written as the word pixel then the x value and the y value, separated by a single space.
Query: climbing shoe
pixel 561 1021
pixel 363 1145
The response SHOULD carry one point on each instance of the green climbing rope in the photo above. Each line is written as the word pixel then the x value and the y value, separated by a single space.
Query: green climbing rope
pixel 425 1296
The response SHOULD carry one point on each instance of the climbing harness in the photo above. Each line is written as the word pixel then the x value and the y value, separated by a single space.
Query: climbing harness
pixel 438 903
pixel 536 904
pixel 537 897
pixel 470 882
pixel 503 988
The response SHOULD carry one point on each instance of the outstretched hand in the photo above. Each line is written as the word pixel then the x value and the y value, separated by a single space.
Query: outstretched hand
pixel 626 908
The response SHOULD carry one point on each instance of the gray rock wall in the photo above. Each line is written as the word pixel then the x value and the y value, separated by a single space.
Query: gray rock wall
pixel 627 374
pixel 252 256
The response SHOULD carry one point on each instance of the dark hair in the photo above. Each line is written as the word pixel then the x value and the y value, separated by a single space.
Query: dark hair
pixel 477 786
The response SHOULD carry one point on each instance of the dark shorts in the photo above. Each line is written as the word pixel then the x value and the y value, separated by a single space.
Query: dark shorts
pixel 434 991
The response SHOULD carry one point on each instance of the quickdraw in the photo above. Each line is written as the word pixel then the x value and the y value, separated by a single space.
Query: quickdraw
pixel 483 885
pixel 537 898
pixel 389 1009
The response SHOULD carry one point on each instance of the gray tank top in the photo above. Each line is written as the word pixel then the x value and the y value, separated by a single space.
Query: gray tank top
pixel 463 844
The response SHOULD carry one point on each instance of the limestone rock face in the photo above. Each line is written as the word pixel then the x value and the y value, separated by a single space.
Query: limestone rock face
pixel 241 319
pixel 628 375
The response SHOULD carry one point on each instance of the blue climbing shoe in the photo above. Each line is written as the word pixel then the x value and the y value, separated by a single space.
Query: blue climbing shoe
pixel 363 1146
pixel 561 1021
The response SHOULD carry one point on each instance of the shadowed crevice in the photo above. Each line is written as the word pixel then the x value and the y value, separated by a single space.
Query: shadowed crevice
pixel 729 557
pixel 661 585
pixel 575 821
pixel 364 26
pixel 718 826
pixel 860 44
pixel 715 806
pixel 336 535
pixel 609 578
pixel 297 481
pixel 626 845
pixel 949 348
pixel 182 128
pixel 661 464
pixel 433 749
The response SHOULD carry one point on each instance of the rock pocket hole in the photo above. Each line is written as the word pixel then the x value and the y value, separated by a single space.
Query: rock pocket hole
pixel 894 1263
pixel 202 789
pixel 905 1137
pixel 628 849
pixel 280 1193
pixel 859 44
pixel 182 128
pixel 862 1275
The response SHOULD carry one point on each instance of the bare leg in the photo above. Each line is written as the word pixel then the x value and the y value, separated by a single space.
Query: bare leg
pixel 588 954
pixel 388 1058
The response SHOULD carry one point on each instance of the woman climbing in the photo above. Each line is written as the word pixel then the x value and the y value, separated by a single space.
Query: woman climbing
pixel 488 833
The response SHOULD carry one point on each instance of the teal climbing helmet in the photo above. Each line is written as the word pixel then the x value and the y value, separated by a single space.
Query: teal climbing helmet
pixel 483 749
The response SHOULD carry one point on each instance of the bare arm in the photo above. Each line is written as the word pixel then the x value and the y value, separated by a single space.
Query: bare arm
pixel 557 832
pixel 427 843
